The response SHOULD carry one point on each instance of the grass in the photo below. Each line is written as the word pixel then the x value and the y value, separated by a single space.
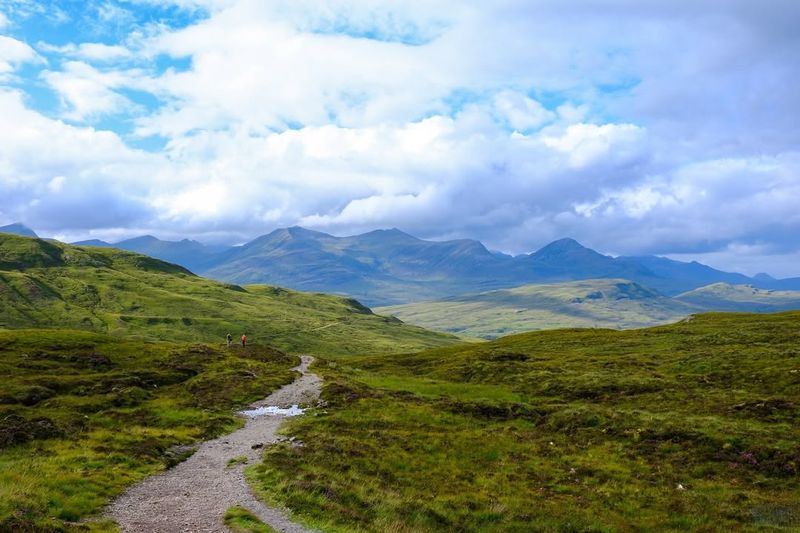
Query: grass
pixel 240 520
pixel 54 285
pixel 687 427
pixel 83 416
pixel 238 460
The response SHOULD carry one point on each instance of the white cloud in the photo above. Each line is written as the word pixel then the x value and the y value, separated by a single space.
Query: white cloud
pixel 587 143
pixel 657 127
pixel 86 91
pixel 12 54
pixel 90 51
pixel 521 112
pixel 56 184
pixel 99 183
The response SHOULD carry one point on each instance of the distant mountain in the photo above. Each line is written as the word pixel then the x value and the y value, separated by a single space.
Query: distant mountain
pixel 387 267
pixel 726 297
pixel 94 242
pixel 674 277
pixel 188 253
pixel 383 266
pixel 18 229
pixel 787 284
pixel 567 259
pixel 606 303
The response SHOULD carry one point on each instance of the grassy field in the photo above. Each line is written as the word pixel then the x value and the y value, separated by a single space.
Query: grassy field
pixel 54 285
pixel 693 426
pixel 605 303
pixel 84 415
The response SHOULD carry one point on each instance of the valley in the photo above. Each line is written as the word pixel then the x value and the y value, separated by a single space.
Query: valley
pixel 117 370
pixel 594 303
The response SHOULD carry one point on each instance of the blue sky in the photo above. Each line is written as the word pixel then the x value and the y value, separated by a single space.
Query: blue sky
pixel 635 126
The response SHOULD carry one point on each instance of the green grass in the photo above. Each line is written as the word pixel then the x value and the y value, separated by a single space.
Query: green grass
pixel 607 303
pixel 240 520
pixel 82 415
pixel 238 460
pixel 54 285
pixel 688 427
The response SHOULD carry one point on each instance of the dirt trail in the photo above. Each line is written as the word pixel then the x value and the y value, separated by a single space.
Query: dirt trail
pixel 194 495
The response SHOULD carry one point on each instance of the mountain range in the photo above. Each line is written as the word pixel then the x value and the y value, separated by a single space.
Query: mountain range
pixel 389 267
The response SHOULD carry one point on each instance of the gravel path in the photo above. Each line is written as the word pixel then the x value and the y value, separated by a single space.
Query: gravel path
pixel 194 495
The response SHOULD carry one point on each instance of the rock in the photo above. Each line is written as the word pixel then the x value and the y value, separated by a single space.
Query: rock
pixel 257 445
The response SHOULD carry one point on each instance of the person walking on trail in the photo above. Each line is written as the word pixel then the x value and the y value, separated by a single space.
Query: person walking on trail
pixel 229 338
pixel 244 340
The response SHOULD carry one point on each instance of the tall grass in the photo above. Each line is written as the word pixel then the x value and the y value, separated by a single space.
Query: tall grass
pixel 688 427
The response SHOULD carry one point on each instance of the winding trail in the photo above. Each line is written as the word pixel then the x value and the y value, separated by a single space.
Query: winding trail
pixel 194 495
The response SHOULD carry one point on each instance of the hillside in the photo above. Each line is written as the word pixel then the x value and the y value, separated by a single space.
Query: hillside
pixel 688 427
pixel 53 285
pixel 725 297
pixel 606 303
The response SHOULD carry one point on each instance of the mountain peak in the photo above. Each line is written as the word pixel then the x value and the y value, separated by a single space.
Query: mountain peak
pixel 301 232
pixel 142 239
pixel 561 247
pixel 385 234
pixel 18 228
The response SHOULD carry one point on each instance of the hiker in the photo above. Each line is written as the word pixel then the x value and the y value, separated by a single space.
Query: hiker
pixel 229 338
pixel 244 340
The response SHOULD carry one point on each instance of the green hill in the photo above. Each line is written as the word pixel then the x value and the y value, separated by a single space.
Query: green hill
pixel 611 303
pixel 692 426
pixel 54 285
pixel 725 297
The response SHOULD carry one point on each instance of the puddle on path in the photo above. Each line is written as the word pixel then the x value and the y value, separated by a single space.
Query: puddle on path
pixel 272 410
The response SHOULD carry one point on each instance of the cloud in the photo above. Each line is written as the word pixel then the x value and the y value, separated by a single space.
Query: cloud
pixel 60 177
pixel 86 91
pixel 99 52
pixel 521 112
pixel 12 54
pixel 638 127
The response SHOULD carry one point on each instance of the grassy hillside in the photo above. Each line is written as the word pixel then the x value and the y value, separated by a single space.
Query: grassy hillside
pixel 84 415
pixel 49 284
pixel 691 426
pixel 611 303
pixel 725 297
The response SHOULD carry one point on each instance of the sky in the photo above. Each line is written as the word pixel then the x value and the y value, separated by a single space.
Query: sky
pixel 634 126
